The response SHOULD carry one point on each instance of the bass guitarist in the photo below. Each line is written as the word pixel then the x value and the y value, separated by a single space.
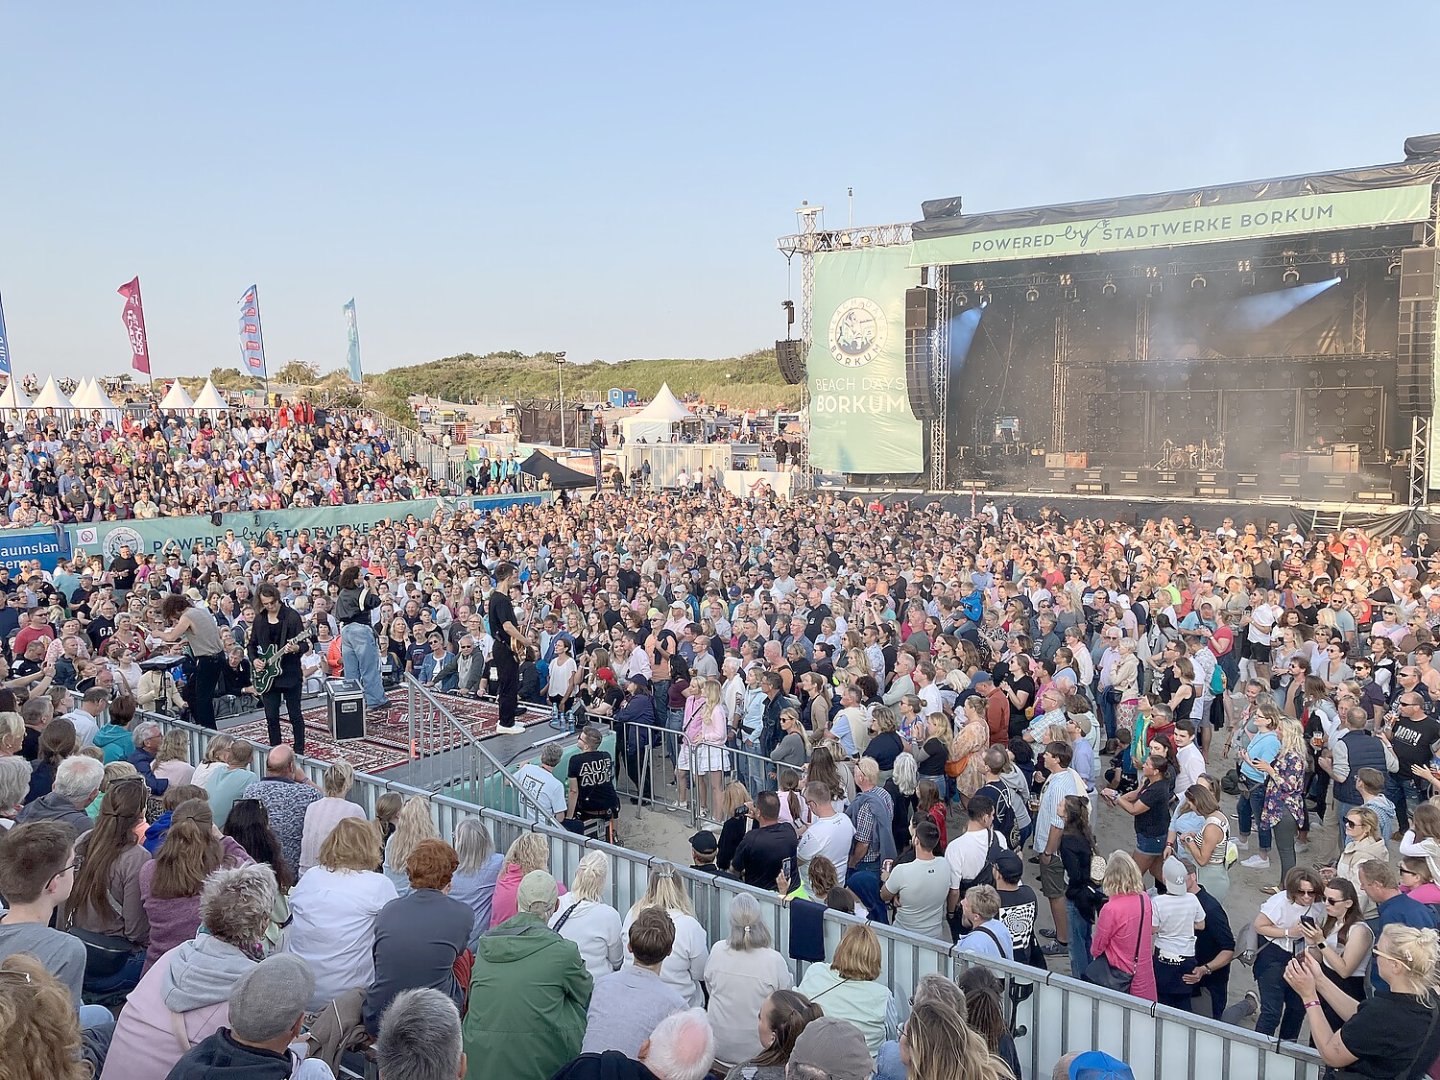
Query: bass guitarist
pixel 277 626
pixel 194 625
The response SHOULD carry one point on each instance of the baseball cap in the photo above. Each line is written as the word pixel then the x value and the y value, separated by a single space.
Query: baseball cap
pixel 639 680
pixel 836 1048
pixel 1175 874
pixel 1010 866
pixel 1098 1065
pixel 536 887
pixel 704 842
pixel 980 677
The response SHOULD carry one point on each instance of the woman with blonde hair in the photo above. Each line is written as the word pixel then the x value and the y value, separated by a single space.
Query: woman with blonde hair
pixel 584 918
pixel 12 733
pixel 42 1029
pixel 529 851
pixel 172 760
pixel 411 826
pixel 322 815
pixel 1363 842
pixel 1396 1032
pixel 684 968
pixel 937 1044
pixel 849 988
pixel 1122 933
pixel 965 763
pixel 334 907
pixel 213 759
pixel 740 975
pixel 1283 810
pixel 473 882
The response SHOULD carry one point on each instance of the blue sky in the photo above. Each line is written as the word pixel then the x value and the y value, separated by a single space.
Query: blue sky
pixel 608 179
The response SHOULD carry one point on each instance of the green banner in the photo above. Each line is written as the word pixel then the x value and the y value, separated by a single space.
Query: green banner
pixel 150 537
pixel 860 418
pixel 1172 228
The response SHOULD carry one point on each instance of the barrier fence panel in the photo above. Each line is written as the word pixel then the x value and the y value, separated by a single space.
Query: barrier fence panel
pixel 1060 1015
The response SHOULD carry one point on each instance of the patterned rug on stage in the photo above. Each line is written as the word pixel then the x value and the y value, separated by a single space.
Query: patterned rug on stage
pixel 387 736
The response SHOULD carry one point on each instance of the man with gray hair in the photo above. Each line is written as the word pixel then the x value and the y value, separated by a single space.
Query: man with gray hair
pixel 420 1038
pixel 77 782
pixel 147 736
pixel 539 782
pixel 682 1047
pixel 267 1011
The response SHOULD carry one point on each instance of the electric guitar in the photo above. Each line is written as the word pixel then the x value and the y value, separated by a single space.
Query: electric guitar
pixel 265 676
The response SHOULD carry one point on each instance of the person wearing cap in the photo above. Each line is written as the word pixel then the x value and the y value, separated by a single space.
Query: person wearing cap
pixel 529 992
pixel 1091 1065
pixel 634 724
pixel 267 1010
pixel 1177 917
pixel 703 851
pixel 832 1048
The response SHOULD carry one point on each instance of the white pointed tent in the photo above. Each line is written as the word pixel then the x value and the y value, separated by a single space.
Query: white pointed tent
pixel 209 399
pixel 93 399
pixel 177 400
pixel 52 397
pixel 81 397
pixel 655 422
pixel 14 402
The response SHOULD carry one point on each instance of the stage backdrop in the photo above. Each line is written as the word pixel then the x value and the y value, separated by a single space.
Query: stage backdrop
pixel 860 418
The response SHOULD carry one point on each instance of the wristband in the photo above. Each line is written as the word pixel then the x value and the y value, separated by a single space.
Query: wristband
pixel 1312 1004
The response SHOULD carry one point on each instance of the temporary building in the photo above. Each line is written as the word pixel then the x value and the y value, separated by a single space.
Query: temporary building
pixel 81 397
pixel 210 400
pixel 656 421
pixel 562 477
pixel 97 400
pixel 177 400
pixel 14 402
pixel 52 397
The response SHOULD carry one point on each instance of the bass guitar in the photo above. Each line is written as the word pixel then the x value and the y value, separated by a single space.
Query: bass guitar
pixel 265 677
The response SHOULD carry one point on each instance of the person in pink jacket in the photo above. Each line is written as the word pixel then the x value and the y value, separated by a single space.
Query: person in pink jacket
pixel 1125 915
pixel 185 996
pixel 530 851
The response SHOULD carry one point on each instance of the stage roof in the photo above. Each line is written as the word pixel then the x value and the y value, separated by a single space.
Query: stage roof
pixel 943 217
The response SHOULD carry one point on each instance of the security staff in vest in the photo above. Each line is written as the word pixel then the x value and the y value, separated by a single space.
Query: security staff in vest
pixel 1356 749
pixel 359 654
pixel 510 645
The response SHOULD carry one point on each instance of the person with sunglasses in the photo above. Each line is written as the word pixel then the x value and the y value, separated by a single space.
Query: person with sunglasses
pixel 1279 926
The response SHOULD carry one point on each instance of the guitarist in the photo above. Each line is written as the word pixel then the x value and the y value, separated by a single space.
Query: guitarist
pixel 276 627
pixel 196 627
pixel 509 645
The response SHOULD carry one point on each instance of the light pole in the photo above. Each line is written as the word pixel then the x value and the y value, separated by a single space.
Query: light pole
pixel 560 379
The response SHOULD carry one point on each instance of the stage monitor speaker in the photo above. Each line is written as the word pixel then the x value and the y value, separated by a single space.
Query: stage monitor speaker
pixel 345 709
pixel 791 360
pixel 920 320
pixel 1415 344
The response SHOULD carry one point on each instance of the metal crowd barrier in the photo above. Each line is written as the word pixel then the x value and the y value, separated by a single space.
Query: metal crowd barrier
pixel 1060 1015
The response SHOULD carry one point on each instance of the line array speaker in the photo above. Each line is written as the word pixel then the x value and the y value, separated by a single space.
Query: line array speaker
pixel 1415 347
pixel 920 322
pixel 791 361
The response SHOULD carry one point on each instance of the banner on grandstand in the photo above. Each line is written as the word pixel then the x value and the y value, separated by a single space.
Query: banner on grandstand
pixel 19 546
pixel 4 343
pixel 152 536
pixel 134 319
pixel 252 341
pixel 1258 220
pixel 352 331
pixel 860 418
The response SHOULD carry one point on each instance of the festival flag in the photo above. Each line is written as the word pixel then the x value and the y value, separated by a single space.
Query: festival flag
pixel 252 342
pixel 353 329
pixel 4 344
pixel 134 318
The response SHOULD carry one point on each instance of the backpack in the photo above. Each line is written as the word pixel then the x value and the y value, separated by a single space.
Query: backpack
pixel 1217 681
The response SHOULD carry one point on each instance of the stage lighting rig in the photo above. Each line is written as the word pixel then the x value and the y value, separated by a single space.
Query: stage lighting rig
pixel 1197 282
pixel 1291 276
pixel 1109 288
pixel 1032 294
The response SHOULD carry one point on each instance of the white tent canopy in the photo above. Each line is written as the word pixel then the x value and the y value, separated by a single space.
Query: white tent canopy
pixel 83 391
pixel 99 399
pixel 52 397
pixel 655 422
pixel 209 399
pixel 177 400
pixel 15 400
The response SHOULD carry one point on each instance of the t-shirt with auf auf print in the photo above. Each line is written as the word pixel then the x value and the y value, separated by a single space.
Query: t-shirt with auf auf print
pixel 594 776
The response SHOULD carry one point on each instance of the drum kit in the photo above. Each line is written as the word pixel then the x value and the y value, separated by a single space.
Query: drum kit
pixel 1191 456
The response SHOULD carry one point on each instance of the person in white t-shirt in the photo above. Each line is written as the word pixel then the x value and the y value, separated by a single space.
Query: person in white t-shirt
pixel 564 678
pixel 1192 761
pixel 920 888
pixel 538 781
pixel 967 854
pixel 1176 916
pixel 830 833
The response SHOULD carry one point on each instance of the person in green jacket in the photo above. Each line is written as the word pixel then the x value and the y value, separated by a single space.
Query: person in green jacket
pixel 529 993
pixel 114 738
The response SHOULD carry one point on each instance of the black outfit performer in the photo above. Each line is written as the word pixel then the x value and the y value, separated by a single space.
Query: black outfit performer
pixel 278 625
pixel 504 663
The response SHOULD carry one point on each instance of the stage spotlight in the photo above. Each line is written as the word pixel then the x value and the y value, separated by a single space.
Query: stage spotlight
pixel 1197 282
pixel 1032 294
pixel 1069 292
pixel 1109 288
pixel 962 299
pixel 1152 271
pixel 1291 276
pixel 1157 287
pixel 978 286
pixel 1065 279
pixel 984 302
pixel 1243 266
pixel 1337 258
pixel 1392 270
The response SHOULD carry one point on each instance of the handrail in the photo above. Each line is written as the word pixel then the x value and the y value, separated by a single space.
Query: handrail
pixel 454 737
pixel 1060 1015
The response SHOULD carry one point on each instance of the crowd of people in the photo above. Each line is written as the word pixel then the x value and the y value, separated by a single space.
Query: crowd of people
pixel 87 467
pixel 920 717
